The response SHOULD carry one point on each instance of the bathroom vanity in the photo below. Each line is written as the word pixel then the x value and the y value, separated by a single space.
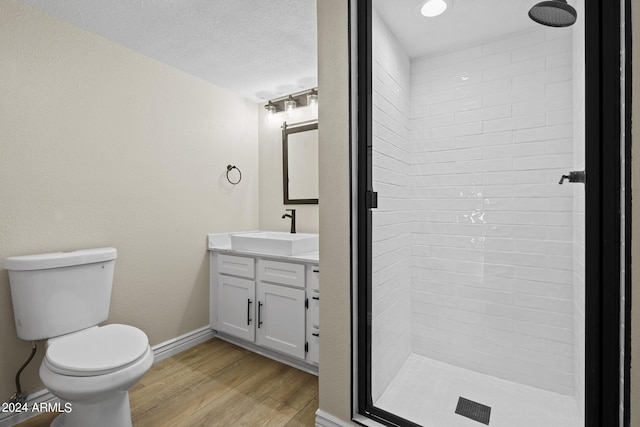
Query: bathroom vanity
pixel 265 296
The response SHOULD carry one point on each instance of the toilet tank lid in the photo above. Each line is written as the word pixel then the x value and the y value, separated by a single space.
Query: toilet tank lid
pixel 59 259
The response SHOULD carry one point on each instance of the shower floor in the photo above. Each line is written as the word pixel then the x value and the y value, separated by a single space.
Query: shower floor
pixel 426 392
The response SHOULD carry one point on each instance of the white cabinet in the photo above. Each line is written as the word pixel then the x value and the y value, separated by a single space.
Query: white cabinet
pixel 236 306
pixel 272 304
pixel 281 319
pixel 313 314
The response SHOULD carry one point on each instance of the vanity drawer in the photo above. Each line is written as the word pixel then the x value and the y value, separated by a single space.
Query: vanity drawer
pixel 313 277
pixel 236 266
pixel 313 312
pixel 284 273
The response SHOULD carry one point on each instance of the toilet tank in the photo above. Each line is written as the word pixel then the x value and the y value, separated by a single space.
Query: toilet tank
pixel 58 293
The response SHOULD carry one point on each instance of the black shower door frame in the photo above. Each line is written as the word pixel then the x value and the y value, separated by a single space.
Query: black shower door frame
pixel 602 213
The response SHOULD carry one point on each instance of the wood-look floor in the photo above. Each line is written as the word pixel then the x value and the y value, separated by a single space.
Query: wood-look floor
pixel 219 384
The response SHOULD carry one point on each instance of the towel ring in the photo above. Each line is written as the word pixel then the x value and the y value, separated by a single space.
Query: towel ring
pixel 229 169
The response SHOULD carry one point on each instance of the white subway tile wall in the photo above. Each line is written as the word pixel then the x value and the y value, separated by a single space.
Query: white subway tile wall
pixel 478 251
pixel 391 293
pixel 493 280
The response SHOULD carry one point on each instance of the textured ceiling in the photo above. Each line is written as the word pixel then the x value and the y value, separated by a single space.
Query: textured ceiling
pixel 260 49
pixel 263 49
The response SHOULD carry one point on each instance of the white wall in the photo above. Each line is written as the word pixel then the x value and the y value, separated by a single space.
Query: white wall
pixel 102 146
pixel 491 136
pixel 335 203
pixel 392 220
pixel 491 133
pixel 271 193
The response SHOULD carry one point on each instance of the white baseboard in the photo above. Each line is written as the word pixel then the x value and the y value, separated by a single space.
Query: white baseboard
pixel 161 351
pixel 171 347
pixel 275 355
pixel 324 419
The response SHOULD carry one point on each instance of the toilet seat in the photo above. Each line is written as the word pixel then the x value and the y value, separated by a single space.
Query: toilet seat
pixel 97 351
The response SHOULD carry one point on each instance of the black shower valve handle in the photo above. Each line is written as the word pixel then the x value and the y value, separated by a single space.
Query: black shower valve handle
pixel 574 176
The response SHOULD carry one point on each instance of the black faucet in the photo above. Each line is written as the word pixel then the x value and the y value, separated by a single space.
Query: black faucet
pixel 293 219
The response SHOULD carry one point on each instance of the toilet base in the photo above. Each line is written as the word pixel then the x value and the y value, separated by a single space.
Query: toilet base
pixel 112 412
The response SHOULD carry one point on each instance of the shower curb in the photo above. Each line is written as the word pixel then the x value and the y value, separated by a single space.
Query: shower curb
pixel 324 419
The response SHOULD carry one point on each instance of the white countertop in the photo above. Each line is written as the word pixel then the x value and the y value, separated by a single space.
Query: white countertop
pixel 221 242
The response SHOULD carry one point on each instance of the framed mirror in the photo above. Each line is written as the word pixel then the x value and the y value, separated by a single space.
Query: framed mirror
pixel 300 164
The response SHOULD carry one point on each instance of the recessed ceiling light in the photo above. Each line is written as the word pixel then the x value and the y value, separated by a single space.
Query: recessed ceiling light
pixel 433 8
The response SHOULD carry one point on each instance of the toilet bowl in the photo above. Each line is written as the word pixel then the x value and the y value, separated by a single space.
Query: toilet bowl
pixel 93 370
pixel 63 297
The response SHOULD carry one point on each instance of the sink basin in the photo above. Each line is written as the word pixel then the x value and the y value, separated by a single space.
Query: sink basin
pixel 274 242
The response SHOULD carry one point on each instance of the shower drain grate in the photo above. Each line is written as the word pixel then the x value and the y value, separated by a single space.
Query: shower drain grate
pixel 473 410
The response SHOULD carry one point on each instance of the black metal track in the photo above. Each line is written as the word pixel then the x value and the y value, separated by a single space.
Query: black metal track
pixel 627 224
pixel 602 206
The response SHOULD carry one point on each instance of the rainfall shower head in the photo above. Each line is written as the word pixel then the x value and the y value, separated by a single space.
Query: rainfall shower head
pixel 553 13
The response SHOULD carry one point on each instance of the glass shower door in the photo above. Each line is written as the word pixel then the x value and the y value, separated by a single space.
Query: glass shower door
pixel 477 240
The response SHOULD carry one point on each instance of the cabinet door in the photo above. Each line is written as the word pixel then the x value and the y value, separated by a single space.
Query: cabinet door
pixel 236 306
pixel 313 277
pixel 313 338
pixel 313 325
pixel 280 320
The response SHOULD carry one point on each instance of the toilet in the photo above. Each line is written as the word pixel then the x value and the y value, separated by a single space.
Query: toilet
pixel 62 297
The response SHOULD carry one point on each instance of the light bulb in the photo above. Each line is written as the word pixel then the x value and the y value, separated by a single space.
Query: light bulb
pixel 312 98
pixel 290 104
pixel 433 8
pixel 271 112
pixel 290 107
pixel 312 101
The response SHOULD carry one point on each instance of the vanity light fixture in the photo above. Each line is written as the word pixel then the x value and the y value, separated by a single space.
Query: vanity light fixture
pixel 433 8
pixel 291 103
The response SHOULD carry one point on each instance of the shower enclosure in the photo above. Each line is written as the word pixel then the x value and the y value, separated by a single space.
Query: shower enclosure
pixel 474 290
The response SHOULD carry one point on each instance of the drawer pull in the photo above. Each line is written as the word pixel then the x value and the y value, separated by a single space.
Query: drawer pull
pixel 316 334
pixel 259 314
pixel 316 298
pixel 248 312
